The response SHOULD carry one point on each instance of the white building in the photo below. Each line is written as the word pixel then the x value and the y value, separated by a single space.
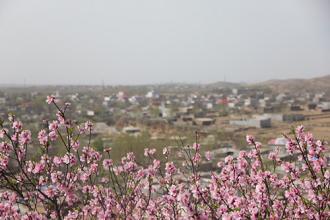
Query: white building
pixel 261 122
pixel 90 113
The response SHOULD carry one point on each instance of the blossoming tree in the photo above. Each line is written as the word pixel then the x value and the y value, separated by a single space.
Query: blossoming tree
pixel 85 184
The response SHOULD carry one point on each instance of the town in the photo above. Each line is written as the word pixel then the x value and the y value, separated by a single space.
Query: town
pixel 218 116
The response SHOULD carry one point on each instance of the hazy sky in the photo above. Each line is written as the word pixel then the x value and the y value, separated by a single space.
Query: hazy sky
pixel 156 41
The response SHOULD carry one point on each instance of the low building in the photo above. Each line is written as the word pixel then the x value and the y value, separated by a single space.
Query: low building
pixel 254 122
pixel 204 121
pixel 325 106
pixel 274 117
pixel 296 108
pixel 251 102
pixel 186 110
pixel 2 100
pixel 103 129
pixel 132 130
pixel 293 117
pixel 187 118
pixel 311 106
pixel 268 109
pixel 90 113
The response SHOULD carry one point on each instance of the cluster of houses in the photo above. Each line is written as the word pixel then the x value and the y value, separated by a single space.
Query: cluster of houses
pixel 129 112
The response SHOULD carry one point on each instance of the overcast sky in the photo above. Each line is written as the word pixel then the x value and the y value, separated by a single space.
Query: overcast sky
pixel 159 41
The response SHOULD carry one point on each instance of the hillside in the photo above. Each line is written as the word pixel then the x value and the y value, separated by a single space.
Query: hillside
pixel 318 84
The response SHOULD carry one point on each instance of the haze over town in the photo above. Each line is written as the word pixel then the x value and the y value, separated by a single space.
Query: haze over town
pixel 145 42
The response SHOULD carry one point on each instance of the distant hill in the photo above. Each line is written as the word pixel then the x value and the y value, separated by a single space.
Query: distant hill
pixel 222 84
pixel 318 84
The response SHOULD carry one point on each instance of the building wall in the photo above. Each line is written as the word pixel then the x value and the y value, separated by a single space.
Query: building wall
pixel 258 123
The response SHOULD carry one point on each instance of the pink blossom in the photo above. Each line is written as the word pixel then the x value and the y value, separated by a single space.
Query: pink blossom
pixel 3 132
pixel 5 147
pixel 52 135
pixel 197 158
pixel 39 167
pixel 50 99
pixel 43 137
pixel 208 155
pixel 300 129
pixel 166 151
pixel 25 137
pixel 170 168
pixel 107 163
pixel 88 126
pixel 53 126
pixel 75 145
pixel 272 156
pixel 4 161
pixel 149 152
pixel 196 146
pixel 17 125
pixel 57 161
pixel 250 139
pixel 60 118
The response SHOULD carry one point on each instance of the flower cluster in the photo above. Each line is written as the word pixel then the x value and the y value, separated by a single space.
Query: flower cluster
pixel 82 183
